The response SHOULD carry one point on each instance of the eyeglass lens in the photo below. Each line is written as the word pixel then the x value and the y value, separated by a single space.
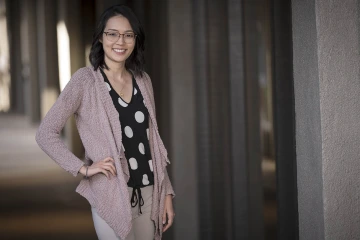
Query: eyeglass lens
pixel 114 36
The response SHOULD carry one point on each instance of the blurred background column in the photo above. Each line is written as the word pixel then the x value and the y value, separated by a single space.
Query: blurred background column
pixel 182 119
pixel 71 55
pixel 47 53
pixel 245 159
pixel 255 75
pixel 30 67
pixel 284 121
pixel 5 79
pixel 16 87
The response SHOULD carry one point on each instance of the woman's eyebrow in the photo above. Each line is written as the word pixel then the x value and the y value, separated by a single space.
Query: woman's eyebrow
pixel 118 30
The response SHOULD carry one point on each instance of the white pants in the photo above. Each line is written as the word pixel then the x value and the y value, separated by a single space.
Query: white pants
pixel 143 228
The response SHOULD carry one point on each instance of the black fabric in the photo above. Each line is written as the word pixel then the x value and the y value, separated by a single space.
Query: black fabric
pixel 134 119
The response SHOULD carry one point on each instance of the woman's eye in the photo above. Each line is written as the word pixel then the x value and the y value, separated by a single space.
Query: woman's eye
pixel 129 35
pixel 113 34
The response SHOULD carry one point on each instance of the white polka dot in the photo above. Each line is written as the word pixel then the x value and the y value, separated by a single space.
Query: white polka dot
pixel 128 132
pixel 122 103
pixel 145 180
pixel 108 86
pixel 147 133
pixel 135 91
pixel 141 148
pixel 151 165
pixel 139 116
pixel 133 163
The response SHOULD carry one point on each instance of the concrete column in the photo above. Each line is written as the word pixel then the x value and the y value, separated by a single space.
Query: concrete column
pixel 308 121
pixel 252 121
pixel 203 154
pixel 88 23
pixel 29 60
pixel 284 122
pixel 71 47
pixel 228 146
pixel 326 76
pixel 47 54
pixel 16 86
pixel 155 22
pixel 240 187
pixel 5 79
pixel 182 98
pixel 219 119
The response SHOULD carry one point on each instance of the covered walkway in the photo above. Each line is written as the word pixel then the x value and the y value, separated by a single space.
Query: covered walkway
pixel 37 198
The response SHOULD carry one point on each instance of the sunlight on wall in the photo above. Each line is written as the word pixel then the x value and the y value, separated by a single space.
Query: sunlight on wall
pixel 63 42
pixel 50 94
pixel 4 62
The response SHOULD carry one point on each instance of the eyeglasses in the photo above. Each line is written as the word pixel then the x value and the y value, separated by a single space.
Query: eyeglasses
pixel 114 36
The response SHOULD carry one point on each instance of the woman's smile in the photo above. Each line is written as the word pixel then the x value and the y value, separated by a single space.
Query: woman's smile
pixel 119 51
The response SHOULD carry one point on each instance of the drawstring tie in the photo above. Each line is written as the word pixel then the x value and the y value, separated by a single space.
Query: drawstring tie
pixel 135 199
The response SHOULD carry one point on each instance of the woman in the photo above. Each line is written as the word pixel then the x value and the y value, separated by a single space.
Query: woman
pixel 127 184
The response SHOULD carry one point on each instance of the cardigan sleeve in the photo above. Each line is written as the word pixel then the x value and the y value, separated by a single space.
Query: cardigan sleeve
pixel 167 183
pixel 48 134
pixel 168 187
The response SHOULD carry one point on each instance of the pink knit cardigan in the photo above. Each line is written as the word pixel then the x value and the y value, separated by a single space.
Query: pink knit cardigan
pixel 87 97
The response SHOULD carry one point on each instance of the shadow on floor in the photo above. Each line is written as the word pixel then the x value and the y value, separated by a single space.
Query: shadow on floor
pixel 37 198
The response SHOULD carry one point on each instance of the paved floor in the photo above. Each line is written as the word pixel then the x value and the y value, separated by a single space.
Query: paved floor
pixel 37 198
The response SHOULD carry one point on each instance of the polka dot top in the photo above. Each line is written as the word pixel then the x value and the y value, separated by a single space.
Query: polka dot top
pixel 134 119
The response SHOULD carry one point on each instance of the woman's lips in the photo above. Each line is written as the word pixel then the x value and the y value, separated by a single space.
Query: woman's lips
pixel 119 51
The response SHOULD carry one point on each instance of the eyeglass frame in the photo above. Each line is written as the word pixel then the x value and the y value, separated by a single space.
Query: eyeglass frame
pixel 123 35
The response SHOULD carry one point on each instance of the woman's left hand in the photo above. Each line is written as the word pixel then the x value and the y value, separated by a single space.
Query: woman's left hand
pixel 169 211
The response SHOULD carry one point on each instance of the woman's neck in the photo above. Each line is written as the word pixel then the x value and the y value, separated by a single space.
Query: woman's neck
pixel 117 71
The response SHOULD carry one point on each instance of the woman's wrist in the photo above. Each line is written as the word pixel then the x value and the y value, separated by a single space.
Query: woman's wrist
pixel 83 170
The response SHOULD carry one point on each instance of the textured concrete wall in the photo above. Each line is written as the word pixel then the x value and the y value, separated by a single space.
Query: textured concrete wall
pixel 308 126
pixel 182 117
pixel 327 102
pixel 339 75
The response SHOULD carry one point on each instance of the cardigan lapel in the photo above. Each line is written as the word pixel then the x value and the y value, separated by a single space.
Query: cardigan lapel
pixel 145 91
pixel 113 117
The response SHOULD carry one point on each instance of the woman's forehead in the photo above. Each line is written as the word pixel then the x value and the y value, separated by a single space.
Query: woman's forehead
pixel 118 23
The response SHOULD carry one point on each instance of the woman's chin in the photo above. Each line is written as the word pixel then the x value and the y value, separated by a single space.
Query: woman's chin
pixel 118 60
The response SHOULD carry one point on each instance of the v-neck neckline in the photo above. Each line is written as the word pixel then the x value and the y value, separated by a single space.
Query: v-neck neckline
pixel 113 115
pixel 132 92
pixel 113 89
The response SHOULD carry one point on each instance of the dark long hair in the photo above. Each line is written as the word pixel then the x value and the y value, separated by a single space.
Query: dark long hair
pixel 136 60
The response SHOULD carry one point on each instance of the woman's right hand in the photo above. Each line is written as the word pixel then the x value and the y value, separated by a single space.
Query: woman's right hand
pixel 105 166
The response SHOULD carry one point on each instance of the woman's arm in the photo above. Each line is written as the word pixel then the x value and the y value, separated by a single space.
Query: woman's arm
pixel 48 135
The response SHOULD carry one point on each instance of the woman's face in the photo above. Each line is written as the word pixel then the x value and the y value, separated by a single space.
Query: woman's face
pixel 117 48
